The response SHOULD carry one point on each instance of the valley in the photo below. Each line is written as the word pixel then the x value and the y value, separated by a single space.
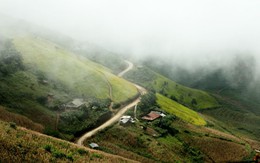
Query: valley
pixel 57 97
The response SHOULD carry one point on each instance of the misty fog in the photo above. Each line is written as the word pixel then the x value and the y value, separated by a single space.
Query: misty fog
pixel 192 34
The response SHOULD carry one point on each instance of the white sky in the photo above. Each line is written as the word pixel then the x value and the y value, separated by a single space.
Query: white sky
pixel 172 28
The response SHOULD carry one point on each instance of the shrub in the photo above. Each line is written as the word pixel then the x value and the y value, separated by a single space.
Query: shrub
pixel 58 154
pixel 194 101
pixel 96 155
pixel 48 147
pixel 13 125
pixel 82 151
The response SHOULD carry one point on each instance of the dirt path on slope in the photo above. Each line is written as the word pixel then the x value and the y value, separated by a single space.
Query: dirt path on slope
pixel 129 67
pixel 117 116
pixel 111 121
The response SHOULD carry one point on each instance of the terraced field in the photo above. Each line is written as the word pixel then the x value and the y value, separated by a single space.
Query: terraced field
pixel 179 110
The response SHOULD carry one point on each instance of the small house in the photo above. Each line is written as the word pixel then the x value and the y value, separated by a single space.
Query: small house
pixel 76 103
pixel 94 145
pixel 126 119
pixel 153 115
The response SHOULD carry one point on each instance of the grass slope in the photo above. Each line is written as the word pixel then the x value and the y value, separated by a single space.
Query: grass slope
pixel 179 110
pixel 21 145
pixel 152 80
pixel 20 93
pixel 79 74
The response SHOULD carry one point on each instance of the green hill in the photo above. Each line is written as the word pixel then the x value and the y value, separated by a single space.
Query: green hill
pixel 76 73
pixel 38 77
pixel 192 98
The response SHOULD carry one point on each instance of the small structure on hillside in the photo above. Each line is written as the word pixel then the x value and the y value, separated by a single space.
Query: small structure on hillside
pixel 153 115
pixel 76 103
pixel 126 119
pixel 94 145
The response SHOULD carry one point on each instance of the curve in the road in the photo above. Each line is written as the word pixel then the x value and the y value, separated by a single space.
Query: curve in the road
pixel 129 67
pixel 117 116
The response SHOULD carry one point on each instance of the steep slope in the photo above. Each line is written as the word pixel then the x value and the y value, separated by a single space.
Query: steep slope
pixel 192 98
pixel 38 78
pixel 77 73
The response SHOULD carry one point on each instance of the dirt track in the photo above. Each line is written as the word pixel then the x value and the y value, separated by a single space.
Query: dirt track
pixel 117 116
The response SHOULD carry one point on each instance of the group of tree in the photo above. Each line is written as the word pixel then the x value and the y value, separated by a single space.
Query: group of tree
pixel 148 102
pixel 10 60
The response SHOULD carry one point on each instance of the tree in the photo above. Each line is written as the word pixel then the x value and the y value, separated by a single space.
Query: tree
pixel 147 101
pixel 10 60
pixel 194 101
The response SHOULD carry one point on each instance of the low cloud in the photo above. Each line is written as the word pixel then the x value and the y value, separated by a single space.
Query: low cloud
pixel 193 33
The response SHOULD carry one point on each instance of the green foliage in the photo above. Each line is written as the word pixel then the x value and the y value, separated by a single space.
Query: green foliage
pixel 194 154
pixel 75 121
pixel 50 131
pixel 82 151
pixel 10 60
pixel 57 153
pixel 148 101
pixel 96 155
pixel 48 148
pixel 194 101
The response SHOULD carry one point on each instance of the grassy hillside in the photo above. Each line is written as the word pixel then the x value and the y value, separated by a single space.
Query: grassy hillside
pixel 179 110
pixel 37 77
pixel 100 55
pixel 192 98
pixel 19 120
pixel 80 75
pixel 22 145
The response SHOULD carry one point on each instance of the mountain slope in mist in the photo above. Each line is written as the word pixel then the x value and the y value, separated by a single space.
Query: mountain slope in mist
pixel 235 86
pixel 192 98
pixel 39 78
pixel 77 73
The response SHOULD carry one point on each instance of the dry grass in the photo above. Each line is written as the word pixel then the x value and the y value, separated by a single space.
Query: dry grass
pixel 253 143
pixel 212 132
pixel 220 150
pixel 19 120
pixel 22 145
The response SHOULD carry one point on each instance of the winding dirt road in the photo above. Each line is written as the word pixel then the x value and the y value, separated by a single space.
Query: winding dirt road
pixel 117 116
pixel 129 67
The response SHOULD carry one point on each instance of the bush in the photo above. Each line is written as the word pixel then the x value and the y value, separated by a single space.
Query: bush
pixel 48 147
pixel 58 154
pixel 194 101
pixel 96 155
pixel 13 125
pixel 10 60
pixel 82 151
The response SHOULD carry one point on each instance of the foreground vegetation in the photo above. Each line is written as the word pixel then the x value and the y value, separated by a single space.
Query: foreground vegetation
pixel 148 143
pixel 22 145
